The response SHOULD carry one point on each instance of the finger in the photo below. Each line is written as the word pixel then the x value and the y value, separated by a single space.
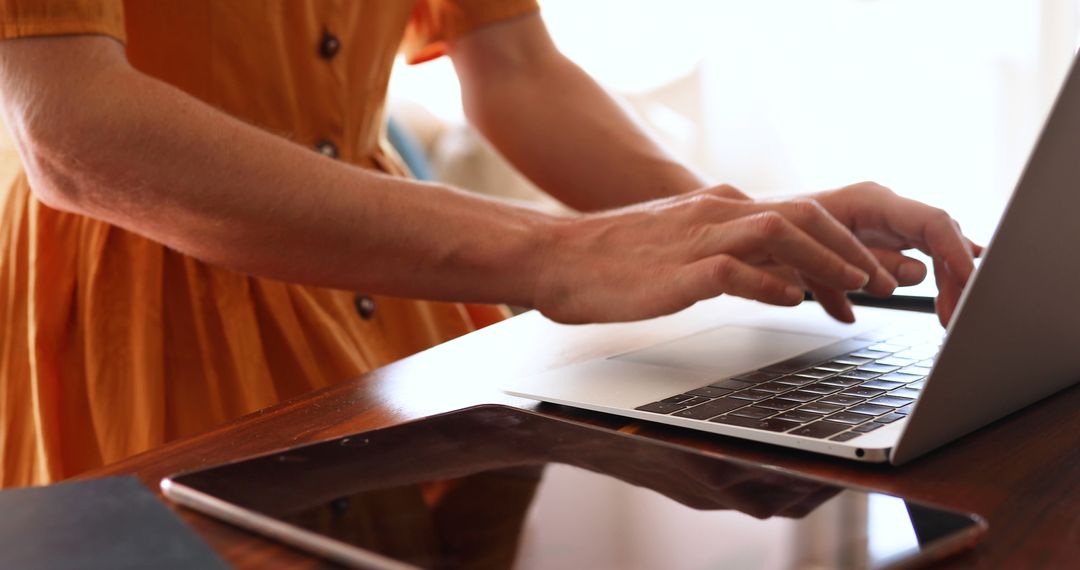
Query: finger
pixel 948 293
pixel 834 301
pixel 786 273
pixel 724 274
pixel 934 232
pixel 770 237
pixel 819 223
pixel 906 270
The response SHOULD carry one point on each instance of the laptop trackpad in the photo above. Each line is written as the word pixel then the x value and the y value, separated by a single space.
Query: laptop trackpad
pixel 728 349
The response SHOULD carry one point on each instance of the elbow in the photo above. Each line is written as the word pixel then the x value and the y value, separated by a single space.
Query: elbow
pixel 57 161
pixel 48 183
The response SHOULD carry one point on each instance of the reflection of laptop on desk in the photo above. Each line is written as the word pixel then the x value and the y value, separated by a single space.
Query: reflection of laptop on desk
pixel 875 391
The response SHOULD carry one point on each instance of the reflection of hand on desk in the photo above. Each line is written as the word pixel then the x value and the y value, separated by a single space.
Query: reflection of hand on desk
pixel 493 440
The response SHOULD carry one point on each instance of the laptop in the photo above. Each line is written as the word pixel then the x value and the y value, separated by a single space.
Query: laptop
pixel 894 385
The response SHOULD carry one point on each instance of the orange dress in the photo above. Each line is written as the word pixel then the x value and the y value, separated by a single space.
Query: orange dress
pixel 112 344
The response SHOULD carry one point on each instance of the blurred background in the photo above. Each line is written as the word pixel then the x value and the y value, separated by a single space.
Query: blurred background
pixel 939 99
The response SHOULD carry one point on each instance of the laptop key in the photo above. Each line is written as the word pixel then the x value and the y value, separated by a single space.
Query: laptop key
pixel 754 412
pixel 774 387
pixel 841 381
pixel 752 395
pixel 890 418
pixel 871 354
pixel 817 373
pixel 770 424
pixel 835 367
pixel 821 388
pixel 820 429
pixel 901 377
pixel 841 399
pixel 757 376
pixel 710 392
pixel 860 392
pixel 846 436
pixel 904 410
pixel 813 357
pixel 879 368
pixel 711 409
pixel 848 418
pixel 695 401
pixel 777 404
pixel 777 424
pixel 890 348
pixel 677 399
pixel 851 361
pixel 906 392
pixel 731 384
pixel 892 401
pixel 867 427
pixel 660 407
pixel 799 416
pixel 870 409
pixel 880 384
pixel 797 380
pixel 895 361
pixel 799 396
pixel 861 375
pixel 820 408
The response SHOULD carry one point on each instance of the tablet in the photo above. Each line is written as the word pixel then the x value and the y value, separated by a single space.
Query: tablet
pixel 499 487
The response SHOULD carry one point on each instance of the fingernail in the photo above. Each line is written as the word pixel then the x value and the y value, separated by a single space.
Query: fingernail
pixel 910 272
pixel 794 294
pixel 855 278
pixel 887 278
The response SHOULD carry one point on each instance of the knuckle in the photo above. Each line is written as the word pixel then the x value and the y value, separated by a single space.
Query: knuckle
pixel 723 268
pixel 723 190
pixel 877 190
pixel 765 284
pixel 940 216
pixel 807 208
pixel 770 224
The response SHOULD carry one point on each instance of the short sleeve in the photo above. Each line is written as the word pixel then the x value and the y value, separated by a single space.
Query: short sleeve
pixel 435 22
pixel 24 18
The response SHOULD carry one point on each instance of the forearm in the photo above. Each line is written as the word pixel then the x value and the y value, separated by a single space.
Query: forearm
pixel 153 160
pixel 558 126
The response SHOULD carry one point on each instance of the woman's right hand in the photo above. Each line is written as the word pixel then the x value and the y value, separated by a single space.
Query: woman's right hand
pixel 659 257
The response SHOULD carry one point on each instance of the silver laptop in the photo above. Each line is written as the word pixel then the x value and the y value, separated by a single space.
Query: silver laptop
pixel 894 385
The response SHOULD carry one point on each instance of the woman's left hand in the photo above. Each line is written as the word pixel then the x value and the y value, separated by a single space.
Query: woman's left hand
pixel 888 224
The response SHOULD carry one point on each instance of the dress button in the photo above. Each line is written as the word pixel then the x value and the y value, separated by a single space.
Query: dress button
pixel 327 148
pixel 329 45
pixel 365 306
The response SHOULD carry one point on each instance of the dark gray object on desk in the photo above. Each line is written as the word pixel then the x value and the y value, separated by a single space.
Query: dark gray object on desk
pixel 113 523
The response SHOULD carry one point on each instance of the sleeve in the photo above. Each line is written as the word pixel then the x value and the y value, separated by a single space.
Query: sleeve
pixel 24 18
pixel 433 23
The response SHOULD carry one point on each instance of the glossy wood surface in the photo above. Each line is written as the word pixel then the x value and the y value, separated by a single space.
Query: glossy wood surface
pixel 1021 473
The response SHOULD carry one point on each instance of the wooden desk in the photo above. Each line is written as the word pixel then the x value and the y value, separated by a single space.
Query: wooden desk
pixel 1022 473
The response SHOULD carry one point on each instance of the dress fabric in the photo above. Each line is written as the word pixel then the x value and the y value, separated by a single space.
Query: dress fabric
pixel 112 344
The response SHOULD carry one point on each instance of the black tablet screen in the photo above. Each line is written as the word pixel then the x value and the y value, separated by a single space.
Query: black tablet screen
pixel 494 487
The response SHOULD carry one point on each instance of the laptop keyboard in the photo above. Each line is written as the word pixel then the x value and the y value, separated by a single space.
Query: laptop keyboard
pixel 838 392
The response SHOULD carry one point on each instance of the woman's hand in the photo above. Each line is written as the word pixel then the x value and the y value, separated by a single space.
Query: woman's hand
pixel 889 224
pixel 659 257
